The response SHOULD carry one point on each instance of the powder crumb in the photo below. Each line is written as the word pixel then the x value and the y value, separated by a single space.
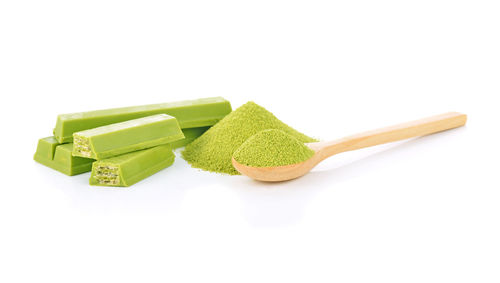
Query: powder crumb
pixel 214 150
pixel 271 148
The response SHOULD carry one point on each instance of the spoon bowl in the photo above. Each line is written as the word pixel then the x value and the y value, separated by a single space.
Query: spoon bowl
pixel 278 173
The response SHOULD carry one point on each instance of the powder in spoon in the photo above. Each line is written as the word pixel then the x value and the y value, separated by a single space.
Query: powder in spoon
pixel 213 150
pixel 270 148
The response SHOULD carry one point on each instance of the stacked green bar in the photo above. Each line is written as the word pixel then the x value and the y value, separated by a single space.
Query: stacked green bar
pixel 128 169
pixel 190 114
pixel 120 138
pixel 130 143
pixel 58 157
pixel 129 151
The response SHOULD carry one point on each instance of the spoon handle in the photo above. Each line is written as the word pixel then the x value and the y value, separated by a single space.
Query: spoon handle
pixel 398 132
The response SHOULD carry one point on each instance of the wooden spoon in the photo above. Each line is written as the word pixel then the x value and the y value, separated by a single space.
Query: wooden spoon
pixel 324 150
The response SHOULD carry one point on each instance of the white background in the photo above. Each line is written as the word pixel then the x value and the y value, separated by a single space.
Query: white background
pixel 423 210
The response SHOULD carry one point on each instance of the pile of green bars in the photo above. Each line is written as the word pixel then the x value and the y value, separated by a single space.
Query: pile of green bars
pixel 122 146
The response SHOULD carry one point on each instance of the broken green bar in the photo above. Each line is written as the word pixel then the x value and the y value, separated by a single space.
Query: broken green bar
pixel 128 169
pixel 189 113
pixel 58 157
pixel 120 138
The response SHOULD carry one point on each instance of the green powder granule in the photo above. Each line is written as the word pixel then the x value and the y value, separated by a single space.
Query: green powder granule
pixel 214 150
pixel 271 148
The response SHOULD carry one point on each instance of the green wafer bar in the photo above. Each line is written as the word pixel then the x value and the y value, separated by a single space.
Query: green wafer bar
pixel 120 138
pixel 128 169
pixel 189 113
pixel 58 157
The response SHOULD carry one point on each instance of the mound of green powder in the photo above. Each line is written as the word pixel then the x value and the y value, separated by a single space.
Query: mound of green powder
pixel 213 150
pixel 272 148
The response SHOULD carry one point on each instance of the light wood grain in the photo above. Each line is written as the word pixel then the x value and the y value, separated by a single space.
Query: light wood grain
pixel 324 150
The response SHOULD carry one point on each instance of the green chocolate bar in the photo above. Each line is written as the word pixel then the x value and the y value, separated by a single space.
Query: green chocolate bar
pixel 189 135
pixel 58 157
pixel 120 138
pixel 128 169
pixel 190 114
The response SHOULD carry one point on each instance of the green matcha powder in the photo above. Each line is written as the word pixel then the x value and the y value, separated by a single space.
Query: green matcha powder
pixel 272 148
pixel 214 150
